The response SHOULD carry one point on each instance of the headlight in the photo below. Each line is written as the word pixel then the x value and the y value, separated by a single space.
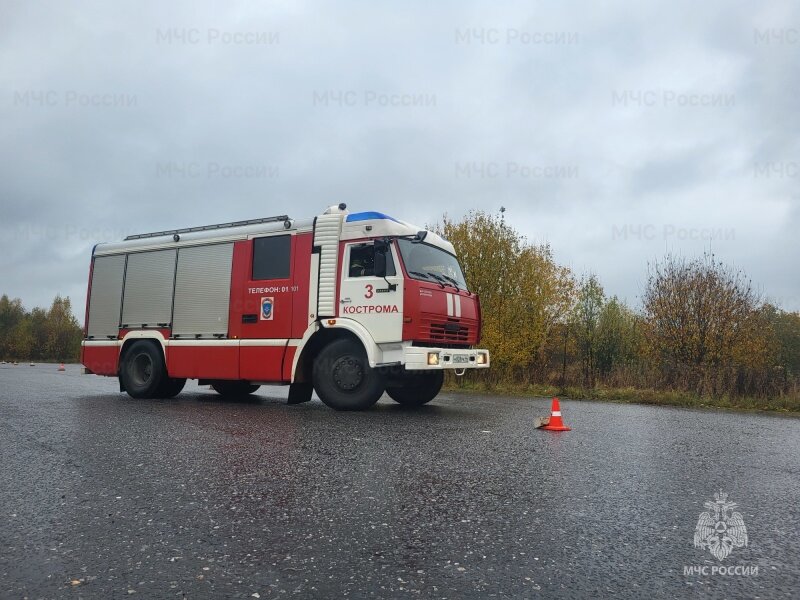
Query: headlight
pixel 433 358
pixel 482 358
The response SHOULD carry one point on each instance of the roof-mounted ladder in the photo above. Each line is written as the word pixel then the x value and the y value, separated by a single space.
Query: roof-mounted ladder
pixel 275 219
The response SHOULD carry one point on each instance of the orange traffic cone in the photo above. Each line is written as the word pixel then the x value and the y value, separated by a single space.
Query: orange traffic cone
pixel 61 367
pixel 555 423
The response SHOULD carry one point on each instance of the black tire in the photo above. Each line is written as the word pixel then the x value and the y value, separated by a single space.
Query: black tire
pixel 234 388
pixel 171 387
pixel 142 371
pixel 416 388
pixel 343 378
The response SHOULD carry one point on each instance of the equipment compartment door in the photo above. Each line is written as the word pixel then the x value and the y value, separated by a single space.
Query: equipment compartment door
pixel 267 306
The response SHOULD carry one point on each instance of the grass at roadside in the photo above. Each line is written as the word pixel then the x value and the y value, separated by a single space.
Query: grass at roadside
pixel 786 404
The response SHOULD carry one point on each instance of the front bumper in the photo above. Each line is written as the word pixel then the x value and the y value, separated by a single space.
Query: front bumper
pixel 418 358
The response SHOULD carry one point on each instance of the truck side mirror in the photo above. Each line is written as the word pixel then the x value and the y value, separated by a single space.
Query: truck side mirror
pixel 380 261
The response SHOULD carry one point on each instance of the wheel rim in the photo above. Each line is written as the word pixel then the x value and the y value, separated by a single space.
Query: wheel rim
pixel 348 373
pixel 141 369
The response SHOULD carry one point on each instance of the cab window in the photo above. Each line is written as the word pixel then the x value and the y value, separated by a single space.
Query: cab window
pixel 362 261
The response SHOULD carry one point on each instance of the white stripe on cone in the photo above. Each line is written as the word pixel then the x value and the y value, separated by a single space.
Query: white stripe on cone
pixel 556 413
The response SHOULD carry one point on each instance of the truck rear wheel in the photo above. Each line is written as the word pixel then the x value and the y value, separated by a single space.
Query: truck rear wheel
pixel 416 389
pixel 343 378
pixel 234 388
pixel 142 370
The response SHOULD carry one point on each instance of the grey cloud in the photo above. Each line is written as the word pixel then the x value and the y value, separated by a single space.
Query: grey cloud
pixel 199 110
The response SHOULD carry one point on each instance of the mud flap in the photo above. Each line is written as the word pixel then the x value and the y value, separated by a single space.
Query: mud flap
pixel 300 392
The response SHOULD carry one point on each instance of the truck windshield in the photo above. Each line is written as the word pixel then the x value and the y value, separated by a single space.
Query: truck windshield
pixel 430 263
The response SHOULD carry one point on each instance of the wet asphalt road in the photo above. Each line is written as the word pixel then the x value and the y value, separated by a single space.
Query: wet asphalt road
pixel 198 497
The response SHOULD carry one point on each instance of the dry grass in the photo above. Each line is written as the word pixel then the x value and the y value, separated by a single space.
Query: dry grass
pixel 785 404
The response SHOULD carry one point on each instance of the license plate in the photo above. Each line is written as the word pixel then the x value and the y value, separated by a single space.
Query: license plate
pixel 460 358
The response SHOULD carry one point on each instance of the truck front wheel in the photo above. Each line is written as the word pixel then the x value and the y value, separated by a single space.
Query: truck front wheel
pixel 343 378
pixel 416 388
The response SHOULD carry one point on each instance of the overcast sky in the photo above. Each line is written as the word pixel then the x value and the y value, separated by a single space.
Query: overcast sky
pixel 613 131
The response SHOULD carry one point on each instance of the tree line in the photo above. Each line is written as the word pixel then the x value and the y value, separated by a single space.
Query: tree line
pixel 701 327
pixel 39 334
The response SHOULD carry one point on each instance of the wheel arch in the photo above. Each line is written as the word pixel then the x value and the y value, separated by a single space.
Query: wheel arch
pixel 154 337
pixel 319 339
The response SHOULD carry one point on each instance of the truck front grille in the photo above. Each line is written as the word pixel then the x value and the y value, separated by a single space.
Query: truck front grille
pixel 449 333
pixel 448 330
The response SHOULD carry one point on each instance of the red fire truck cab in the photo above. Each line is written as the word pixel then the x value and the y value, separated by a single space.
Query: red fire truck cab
pixel 347 304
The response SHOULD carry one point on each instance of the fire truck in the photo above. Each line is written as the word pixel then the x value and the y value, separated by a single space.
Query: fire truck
pixel 347 304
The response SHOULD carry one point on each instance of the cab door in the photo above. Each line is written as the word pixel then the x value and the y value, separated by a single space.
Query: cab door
pixel 375 302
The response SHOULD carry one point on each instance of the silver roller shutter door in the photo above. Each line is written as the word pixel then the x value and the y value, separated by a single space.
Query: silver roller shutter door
pixel 149 281
pixel 106 295
pixel 202 290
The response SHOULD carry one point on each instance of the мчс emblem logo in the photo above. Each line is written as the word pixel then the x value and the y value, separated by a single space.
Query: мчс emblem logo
pixel 267 304
pixel 721 528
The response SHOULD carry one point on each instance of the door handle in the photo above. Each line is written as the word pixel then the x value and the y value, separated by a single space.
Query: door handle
pixel 249 318
pixel 345 301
